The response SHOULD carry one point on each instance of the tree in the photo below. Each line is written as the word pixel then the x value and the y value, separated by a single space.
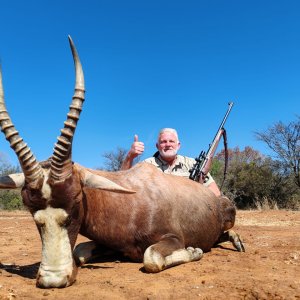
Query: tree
pixel 236 160
pixel 6 168
pixel 284 140
pixel 9 199
pixel 114 159
pixel 253 178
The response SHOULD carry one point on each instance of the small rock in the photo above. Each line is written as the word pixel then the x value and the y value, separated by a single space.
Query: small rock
pixel 46 293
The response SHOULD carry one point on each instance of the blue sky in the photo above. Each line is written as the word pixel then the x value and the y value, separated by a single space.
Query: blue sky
pixel 149 65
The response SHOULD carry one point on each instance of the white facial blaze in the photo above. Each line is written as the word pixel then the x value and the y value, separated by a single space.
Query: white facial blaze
pixel 57 259
pixel 46 189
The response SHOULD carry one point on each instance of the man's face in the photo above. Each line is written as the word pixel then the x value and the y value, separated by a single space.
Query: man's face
pixel 168 145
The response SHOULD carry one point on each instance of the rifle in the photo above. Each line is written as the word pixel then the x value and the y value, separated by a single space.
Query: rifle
pixel 204 160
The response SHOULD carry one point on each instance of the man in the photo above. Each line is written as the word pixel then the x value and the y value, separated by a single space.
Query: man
pixel 167 159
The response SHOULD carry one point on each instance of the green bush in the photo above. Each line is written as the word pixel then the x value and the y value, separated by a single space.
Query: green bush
pixel 11 200
pixel 254 180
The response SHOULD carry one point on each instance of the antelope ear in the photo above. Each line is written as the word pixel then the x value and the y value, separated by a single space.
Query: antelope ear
pixel 12 181
pixel 99 182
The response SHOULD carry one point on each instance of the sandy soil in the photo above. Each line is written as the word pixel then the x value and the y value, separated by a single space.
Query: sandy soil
pixel 269 269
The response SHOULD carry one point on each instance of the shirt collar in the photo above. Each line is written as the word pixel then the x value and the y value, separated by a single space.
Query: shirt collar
pixel 165 163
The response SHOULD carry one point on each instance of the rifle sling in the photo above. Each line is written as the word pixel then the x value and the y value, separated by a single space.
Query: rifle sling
pixel 226 156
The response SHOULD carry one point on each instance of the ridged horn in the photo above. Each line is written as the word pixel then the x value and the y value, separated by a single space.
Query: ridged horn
pixel 61 160
pixel 31 168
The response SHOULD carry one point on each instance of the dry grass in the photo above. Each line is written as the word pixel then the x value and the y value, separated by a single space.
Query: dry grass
pixel 266 204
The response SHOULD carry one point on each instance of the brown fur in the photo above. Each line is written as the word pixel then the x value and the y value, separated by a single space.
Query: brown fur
pixel 163 204
pixel 167 211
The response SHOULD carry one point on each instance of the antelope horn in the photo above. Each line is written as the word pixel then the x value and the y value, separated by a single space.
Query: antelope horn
pixel 31 168
pixel 61 160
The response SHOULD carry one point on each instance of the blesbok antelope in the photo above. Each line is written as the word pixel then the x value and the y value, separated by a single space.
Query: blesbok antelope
pixel 160 219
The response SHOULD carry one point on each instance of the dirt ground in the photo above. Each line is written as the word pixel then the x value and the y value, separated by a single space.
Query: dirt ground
pixel 269 269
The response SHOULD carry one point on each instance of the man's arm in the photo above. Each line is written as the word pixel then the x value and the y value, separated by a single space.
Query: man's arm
pixel 211 184
pixel 137 148
pixel 127 163
pixel 214 188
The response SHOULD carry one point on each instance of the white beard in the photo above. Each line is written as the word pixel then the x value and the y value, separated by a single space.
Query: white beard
pixel 171 153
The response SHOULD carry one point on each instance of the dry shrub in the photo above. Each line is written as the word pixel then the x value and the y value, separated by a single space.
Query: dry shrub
pixel 293 203
pixel 266 204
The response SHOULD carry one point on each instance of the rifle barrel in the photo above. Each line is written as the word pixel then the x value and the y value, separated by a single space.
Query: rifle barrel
pixel 226 115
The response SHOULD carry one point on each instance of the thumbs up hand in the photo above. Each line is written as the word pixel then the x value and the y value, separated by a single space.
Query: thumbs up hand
pixel 137 147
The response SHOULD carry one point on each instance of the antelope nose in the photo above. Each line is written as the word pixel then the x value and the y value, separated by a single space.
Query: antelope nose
pixel 52 281
pixel 55 279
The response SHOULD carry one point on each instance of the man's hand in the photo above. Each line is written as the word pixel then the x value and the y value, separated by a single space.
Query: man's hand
pixel 137 148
